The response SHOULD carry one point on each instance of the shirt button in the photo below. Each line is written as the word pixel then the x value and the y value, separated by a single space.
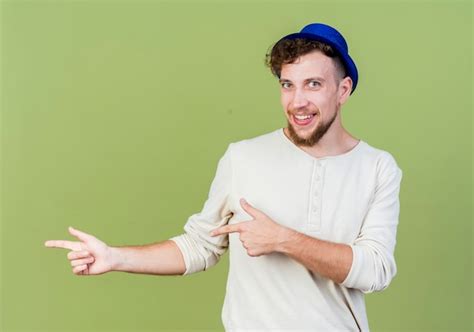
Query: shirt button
pixel 315 209
pixel 316 193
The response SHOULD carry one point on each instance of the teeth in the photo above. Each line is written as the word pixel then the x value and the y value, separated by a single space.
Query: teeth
pixel 303 117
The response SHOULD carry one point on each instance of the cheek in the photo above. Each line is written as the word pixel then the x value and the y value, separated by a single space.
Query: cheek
pixel 320 103
pixel 285 100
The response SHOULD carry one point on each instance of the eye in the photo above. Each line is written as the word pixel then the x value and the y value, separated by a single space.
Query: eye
pixel 316 83
pixel 285 85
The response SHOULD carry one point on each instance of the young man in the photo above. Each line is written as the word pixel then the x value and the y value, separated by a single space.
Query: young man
pixel 309 213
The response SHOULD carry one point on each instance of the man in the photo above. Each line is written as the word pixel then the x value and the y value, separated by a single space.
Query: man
pixel 308 212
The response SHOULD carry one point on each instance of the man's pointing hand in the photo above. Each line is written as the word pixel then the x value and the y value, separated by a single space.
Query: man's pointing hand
pixel 260 236
pixel 89 256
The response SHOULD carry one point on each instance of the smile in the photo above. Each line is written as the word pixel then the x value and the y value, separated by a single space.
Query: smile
pixel 303 120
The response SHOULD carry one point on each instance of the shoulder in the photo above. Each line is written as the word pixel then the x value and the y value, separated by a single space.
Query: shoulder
pixel 256 145
pixel 383 161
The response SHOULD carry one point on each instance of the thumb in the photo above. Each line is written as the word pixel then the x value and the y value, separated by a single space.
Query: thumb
pixel 80 235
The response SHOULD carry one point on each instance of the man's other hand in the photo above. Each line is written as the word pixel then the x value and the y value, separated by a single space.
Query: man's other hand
pixel 259 236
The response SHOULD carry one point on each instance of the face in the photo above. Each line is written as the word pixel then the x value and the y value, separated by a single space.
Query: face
pixel 311 97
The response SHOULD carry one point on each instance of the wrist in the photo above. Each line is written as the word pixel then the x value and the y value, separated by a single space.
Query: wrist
pixel 285 238
pixel 115 258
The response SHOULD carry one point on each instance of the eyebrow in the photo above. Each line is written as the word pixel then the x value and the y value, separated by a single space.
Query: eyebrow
pixel 317 78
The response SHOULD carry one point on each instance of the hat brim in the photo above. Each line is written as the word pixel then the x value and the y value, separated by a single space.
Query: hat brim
pixel 349 64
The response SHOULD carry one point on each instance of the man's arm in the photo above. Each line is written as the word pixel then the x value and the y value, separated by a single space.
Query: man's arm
pixel 262 235
pixel 91 256
pixel 328 259
pixel 163 258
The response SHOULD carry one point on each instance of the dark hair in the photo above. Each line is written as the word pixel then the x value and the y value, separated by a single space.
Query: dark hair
pixel 288 50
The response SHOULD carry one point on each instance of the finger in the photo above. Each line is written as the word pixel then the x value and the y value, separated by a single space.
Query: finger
pixel 82 261
pixel 227 229
pixel 80 235
pixel 255 213
pixel 79 268
pixel 78 254
pixel 63 244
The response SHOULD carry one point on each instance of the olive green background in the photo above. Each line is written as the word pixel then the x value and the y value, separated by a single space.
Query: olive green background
pixel 114 115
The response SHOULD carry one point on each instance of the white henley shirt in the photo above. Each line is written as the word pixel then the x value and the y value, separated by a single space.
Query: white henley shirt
pixel 351 198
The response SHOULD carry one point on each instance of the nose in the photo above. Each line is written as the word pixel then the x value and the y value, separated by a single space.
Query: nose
pixel 299 99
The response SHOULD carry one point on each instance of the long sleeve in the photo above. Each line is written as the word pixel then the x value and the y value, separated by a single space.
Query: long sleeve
pixel 199 249
pixel 373 266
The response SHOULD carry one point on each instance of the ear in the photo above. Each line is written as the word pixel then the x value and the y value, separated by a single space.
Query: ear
pixel 345 88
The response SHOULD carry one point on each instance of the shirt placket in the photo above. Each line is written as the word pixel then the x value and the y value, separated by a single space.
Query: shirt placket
pixel 315 200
